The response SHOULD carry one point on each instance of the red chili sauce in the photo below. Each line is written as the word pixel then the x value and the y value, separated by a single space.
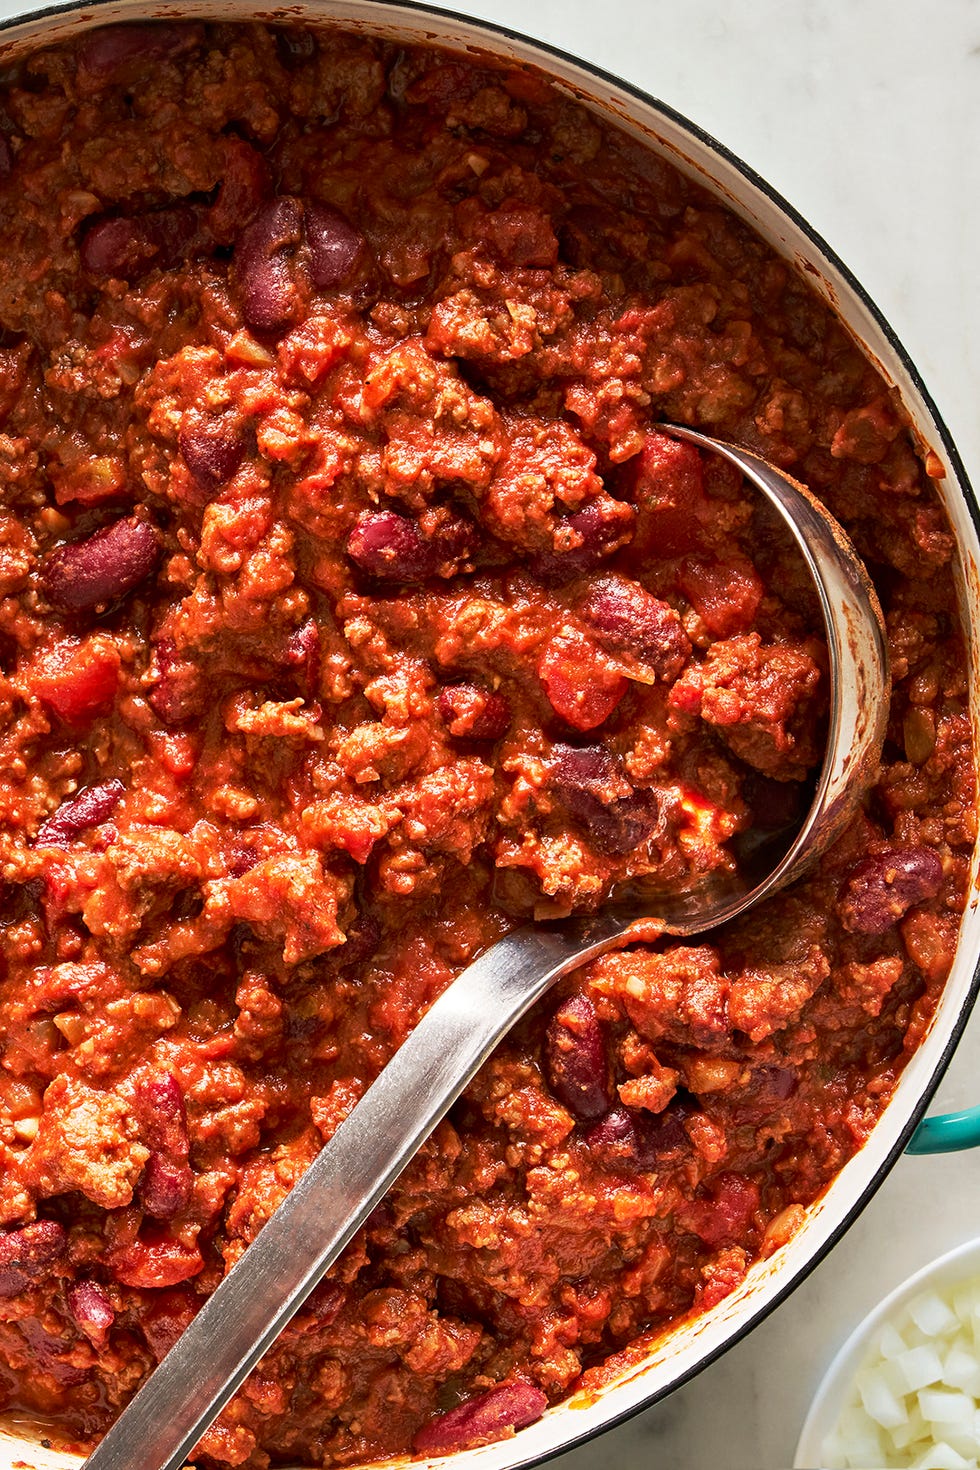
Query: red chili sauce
pixel 352 609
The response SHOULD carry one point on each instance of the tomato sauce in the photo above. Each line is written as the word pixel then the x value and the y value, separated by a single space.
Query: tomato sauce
pixel 354 607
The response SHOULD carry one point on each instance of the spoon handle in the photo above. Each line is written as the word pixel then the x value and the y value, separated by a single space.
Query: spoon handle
pixel 319 1216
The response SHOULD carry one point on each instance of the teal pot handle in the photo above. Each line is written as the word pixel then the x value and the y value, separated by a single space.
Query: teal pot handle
pixel 946 1132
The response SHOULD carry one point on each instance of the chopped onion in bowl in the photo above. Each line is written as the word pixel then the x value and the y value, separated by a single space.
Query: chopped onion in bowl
pixel 915 1400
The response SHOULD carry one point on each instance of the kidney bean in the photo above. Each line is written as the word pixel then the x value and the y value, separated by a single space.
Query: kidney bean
pixel 452 540
pixel 167 1181
pixel 163 1115
pixel 602 526
pixel 363 938
pixel 777 1082
pixel 616 1138
pixel 127 246
pixel 334 245
pixel 27 1255
pixel 165 1187
pixel 882 888
pixel 629 620
pixel 180 693
pixel 636 1141
pixel 86 575
pixel 472 713
pixel 507 1407
pixel 89 807
pixel 592 786
pixel 390 546
pixel 575 1060
pixel 245 184
pixel 266 265
pixel 240 859
pixel 105 52
pixel 212 448
pixel 91 1309
pixel 303 653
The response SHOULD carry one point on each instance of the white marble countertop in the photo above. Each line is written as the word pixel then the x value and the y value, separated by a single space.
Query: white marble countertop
pixel 866 115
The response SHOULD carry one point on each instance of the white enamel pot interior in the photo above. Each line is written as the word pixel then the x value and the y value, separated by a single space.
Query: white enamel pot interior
pixel 690 1348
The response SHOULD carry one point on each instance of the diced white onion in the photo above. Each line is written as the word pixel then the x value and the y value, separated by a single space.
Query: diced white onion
pixel 941 1456
pixel 920 1366
pixel 962 1369
pixel 947 1406
pixel 915 1402
pixel 931 1314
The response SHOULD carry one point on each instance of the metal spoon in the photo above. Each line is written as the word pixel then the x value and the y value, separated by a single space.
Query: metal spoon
pixel 308 1231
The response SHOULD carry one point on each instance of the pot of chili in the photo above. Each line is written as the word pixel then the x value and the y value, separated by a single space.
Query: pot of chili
pixel 355 609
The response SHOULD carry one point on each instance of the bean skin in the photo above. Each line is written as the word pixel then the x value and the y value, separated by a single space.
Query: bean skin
pixel 304 654
pixel 575 1054
pixel 127 246
pixel 391 547
pixel 92 1310
pixel 601 526
pixel 594 789
pixel 165 1187
pixel 627 619
pixel 509 1406
pixel 287 250
pixel 245 184
pixel 266 265
pixel 723 1214
pixel 28 1254
pixel 109 51
pixel 163 1115
pixel 180 692
pixel 334 246
pixel 91 574
pixel 212 448
pixel 882 888
pixel 634 1140
pixel 89 807
pixel 167 1181
pixel 167 1314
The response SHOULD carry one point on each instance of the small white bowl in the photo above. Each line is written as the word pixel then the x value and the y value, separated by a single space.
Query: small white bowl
pixel 954 1269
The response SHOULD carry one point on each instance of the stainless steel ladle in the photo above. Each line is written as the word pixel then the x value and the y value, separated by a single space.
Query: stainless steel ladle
pixel 308 1231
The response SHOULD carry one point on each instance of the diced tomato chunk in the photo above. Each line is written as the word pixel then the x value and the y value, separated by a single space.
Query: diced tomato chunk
pixel 725 595
pixel 724 1216
pixel 582 684
pixel 176 752
pixel 78 680
pixel 666 480
pixel 154 1261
